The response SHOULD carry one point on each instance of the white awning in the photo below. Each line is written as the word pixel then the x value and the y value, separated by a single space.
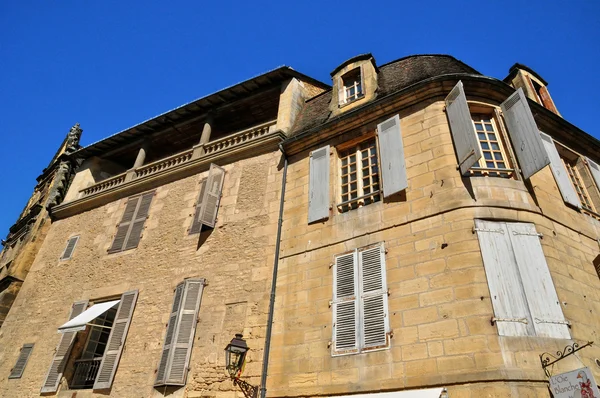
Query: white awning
pixel 80 321
pixel 428 393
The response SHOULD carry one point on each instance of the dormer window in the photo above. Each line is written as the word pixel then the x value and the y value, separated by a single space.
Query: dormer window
pixel 352 86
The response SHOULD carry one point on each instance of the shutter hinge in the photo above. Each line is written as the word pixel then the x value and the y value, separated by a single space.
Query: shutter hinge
pixel 564 322
pixel 475 229
pixel 528 234
pixel 520 320
pixel 330 303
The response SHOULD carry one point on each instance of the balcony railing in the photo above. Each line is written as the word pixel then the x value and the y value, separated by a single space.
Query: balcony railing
pixel 104 184
pixel 85 373
pixel 163 164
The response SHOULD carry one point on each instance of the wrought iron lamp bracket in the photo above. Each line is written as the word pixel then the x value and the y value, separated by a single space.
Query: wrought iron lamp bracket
pixel 248 390
pixel 548 359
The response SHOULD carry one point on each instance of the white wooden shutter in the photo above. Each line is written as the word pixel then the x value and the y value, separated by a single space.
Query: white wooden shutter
pixel 116 340
pixel 71 243
pixel 391 150
pixel 168 344
pixel 183 337
pixel 212 195
pixel 341 92
pixel 61 354
pixel 524 134
pixel 462 129
pixel 196 223
pixel 124 225
pixel 17 371
pixel 139 220
pixel 560 172
pixel 595 169
pixel 506 289
pixel 318 190
pixel 345 304
pixel 373 298
pixel 545 309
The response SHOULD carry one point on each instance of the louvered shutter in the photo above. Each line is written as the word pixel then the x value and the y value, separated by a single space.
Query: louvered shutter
pixel 560 172
pixel 341 93
pixel 524 134
pixel 196 223
pixel 318 188
pixel 168 344
pixel 391 150
pixel 373 298
pixel 595 169
pixel 139 219
pixel 345 304
pixel 462 129
pixel 506 288
pixel 116 340
pixel 71 243
pixel 183 338
pixel 62 352
pixel 124 225
pixel 545 309
pixel 17 371
pixel 212 196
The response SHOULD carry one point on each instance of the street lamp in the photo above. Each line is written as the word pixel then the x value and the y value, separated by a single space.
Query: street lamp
pixel 235 355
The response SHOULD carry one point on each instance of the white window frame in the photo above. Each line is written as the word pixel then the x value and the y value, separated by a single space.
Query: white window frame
pixel 356 84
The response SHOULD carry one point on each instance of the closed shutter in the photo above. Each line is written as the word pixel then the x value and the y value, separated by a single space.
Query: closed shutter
pixel 524 134
pixel 391 150
pixel 504 281
pixel 545 309
pixel 345 304
pixel 116 340
pixel 168 344
pixel 595 169
pixel 462 129
pixel 196 223
pixel 318 189
pixel 212 196
pixel 124 225
pixel 373 297
pixel 71 243
pixel 137 225
pixel 560 172
pixel 62 352
pixel 17 371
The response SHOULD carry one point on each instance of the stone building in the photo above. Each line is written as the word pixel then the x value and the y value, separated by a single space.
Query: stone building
pixel 440 233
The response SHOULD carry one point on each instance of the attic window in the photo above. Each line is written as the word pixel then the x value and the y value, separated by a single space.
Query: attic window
pixel 352 82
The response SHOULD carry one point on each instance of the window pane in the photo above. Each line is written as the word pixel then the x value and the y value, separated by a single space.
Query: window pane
pixel 487 155
pixel 495 146
pixel 492 137
pixel 489 127
pixel 485 145
pixel 482 136
pixel 497 156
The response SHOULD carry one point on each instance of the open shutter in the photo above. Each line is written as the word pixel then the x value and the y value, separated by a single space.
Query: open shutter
pixel 183 337
pixel 318 189
pixel 545 309
pixel 595 169
pixel 524 134
pixel 212 196
pixel 116 340
pixel 373 298
pixel 560 172
pixel 139 219
pixel 345 304
pixel 506 289
pixel 341 93
pixel 391 150
pixel 123 228
pixel 70 248
pixel 168 344
pixel 196 223
pixel 62 352
pixel 17 371
pixel 462 129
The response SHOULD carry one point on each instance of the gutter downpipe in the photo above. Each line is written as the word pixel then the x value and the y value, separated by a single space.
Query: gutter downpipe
pixel 265 364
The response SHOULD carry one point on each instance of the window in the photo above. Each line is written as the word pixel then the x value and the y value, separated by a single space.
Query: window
pixel 577 181
pixel 68 252
pixel 492 147
pixel 352 83
pixel 207 205
pixel 523 296
pixel 360 308
pixel 359 176
pixel 129 231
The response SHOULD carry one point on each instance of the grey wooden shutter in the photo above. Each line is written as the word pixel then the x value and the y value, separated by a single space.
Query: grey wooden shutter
pixel 462 129
pixel 212 196
pixel 391 150
pixel 345 304
pixel 506 288
pixel 524 134
pixel 595 169
pixel 139 219
pixel 183 337
pixel 68 252
pixel 373 298
pixel 560 172
pixel 17 371
pixel 196 223
pixel 544 306
pixel 116 340
pixel 124 225
pixel 61 354
pixel 318 188
pixel 169 338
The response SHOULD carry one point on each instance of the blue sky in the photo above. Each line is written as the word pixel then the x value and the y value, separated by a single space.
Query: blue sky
pixel 112 64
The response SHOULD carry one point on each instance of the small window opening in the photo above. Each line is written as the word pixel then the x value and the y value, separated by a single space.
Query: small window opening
pixel 352 85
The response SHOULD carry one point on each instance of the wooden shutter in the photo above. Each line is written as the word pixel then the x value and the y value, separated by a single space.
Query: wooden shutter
pixel 196 223
pixel 341 94
pixel 61 354
pixel 17 371
pixel 373 298
pixel 595 170
pixel 116 340
pixel 139 219
pixel 182 340
pixel 391 150
pixel 560 172
pixel 345 304
pixel 123 228
pixel 168 344
pixel 506 288
pixel 545 309
pixel 71 243
pixel 462 129
pixel 212 196
pixel 524 134
pixel 318 189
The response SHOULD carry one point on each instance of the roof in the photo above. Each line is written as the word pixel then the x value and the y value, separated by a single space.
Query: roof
pixel 196 108
pixel 359 57
pixel 392 77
